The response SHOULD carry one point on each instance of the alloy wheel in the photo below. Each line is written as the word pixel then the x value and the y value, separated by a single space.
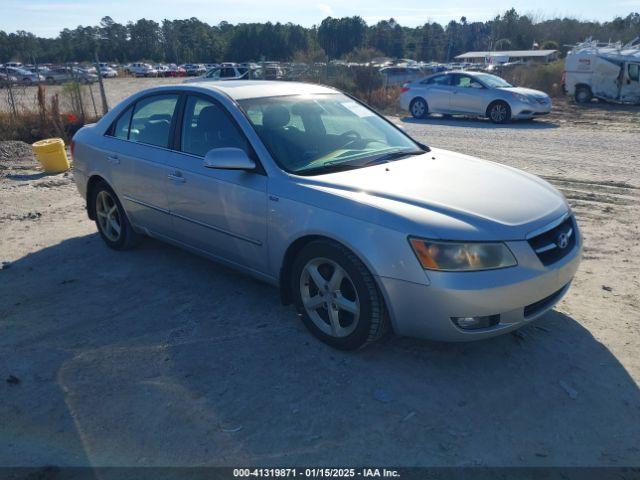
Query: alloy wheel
pixel 329 297
pixel 418 108
pixel 108 216
pixel 499 113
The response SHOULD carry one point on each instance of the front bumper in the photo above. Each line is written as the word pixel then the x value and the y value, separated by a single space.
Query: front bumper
pixel 518 294
pixel 527 111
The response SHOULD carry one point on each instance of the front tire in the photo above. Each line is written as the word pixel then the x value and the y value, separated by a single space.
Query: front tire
pixel 499 112
pixel 111 219
pixel 419 108
pixel 337 297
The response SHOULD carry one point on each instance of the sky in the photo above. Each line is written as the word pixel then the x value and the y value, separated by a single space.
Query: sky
pixel 47 17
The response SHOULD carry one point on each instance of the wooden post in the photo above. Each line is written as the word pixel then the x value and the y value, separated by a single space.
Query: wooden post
pixel 103 95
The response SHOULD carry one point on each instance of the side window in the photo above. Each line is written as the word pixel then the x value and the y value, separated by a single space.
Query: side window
pixel 634 71
pixel 120 129
pixel 462 81
pixel 214 73
pixel 151 121
pixel 438 80
pixel 206 126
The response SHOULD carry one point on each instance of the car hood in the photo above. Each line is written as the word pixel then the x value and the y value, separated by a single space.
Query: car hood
pixel 446 195
pixel 529 92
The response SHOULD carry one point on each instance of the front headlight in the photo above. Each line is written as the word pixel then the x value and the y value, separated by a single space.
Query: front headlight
pixel 523 98
pixel 461 256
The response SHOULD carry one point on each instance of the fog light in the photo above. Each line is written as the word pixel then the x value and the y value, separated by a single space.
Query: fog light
pixel 476 323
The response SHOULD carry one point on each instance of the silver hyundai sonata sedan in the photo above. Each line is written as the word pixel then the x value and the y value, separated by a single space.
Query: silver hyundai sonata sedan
pixel 473 94
pixel 361 227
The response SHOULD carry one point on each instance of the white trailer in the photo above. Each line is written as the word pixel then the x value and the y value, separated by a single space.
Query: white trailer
pixel 610 72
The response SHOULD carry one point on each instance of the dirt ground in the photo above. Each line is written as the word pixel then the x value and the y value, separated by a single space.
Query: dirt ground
pixel 156 357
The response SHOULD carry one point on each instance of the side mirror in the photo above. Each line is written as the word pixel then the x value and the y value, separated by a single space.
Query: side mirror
pixel 228 158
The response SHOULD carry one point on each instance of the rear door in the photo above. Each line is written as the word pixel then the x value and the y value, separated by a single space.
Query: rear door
pixel 139 156
pixel 221 212
pixel 437 91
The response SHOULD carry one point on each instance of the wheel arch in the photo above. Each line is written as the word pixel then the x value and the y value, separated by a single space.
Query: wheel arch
pixel 92 183
pixel 288 259
pixel 582 85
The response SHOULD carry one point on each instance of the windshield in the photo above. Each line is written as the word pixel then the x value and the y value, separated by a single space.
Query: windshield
pixel 493 81
pixel 309 134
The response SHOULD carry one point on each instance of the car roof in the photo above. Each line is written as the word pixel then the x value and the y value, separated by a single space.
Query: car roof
pixel 244 89
pixel 471 73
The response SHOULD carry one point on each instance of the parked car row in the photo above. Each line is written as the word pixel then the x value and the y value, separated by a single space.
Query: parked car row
pixel 21 75
pixel 18 73
pixel 242 72
pixel 69 74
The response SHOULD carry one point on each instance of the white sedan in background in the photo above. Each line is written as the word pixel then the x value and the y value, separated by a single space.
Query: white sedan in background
pixel 473 94
pixel 108 72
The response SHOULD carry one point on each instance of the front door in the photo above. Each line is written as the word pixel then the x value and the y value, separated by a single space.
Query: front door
pixel 630 88
pixel 221 212
pixel 466 95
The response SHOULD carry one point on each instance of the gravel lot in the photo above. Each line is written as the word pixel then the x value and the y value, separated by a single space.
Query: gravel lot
pixel 156 357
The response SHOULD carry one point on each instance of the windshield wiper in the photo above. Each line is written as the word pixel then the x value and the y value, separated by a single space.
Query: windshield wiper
pixel 388 157
pixel 327 167
pixel 337 165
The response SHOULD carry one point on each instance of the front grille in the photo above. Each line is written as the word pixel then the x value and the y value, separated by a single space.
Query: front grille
pixel 541 101
pixel 542 305
pixel 556 243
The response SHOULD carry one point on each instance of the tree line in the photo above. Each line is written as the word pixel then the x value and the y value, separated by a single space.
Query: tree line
pixel 191 40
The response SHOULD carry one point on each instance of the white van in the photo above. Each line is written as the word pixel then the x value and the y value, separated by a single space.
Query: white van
pixel 609 72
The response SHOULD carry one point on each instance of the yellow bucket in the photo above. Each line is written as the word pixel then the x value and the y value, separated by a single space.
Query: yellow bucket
pixel 51 155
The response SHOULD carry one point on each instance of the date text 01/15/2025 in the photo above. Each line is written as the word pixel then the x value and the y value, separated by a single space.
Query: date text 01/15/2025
pixel 315 473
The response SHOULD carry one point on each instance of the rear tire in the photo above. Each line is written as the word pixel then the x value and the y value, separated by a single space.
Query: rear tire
pixel 111 219
pixel 346 310
pixel 499 112
pixel 583 94
pixel 419 108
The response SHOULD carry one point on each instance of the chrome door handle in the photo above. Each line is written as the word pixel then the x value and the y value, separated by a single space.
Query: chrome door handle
pixel 113 159
pixel 176 177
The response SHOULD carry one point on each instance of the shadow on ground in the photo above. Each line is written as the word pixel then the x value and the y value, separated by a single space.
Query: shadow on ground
pixel 470 122
pixel 158 357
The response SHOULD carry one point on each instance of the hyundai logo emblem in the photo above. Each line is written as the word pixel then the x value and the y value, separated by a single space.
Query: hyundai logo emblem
pixel 562 241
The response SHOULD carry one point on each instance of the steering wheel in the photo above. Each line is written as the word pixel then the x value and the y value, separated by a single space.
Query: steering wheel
pixel 350 136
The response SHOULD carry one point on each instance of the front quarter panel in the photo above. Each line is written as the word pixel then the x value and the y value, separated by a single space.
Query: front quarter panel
pixel 385 251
